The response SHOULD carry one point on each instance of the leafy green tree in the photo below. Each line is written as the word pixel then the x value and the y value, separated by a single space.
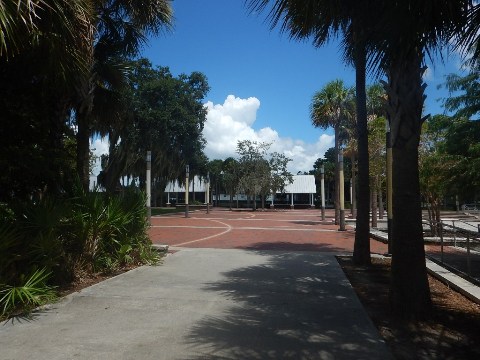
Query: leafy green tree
pixel 467 102
pixel 328 163
pixel 376 147
pixel 166 116
pixel 261 172
pixel 279 175
pixel 215 168
pixel 255 171
pixel 376 102
pixel 232 173
pixel 462 140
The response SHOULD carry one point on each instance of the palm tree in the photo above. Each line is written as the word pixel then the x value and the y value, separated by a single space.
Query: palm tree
pixel 321 20
pixel 397 40
pixel 351 148
pixel 64 26
pixel 121 28
pixel 376 100
pixel 329 109
pixel 51 39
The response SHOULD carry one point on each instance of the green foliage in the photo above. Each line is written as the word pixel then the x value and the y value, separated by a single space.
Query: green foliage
pixel 464 92
pixel 165 114
pixel 261 172
pixel 89 232
pixel 30 292
pixel 449 158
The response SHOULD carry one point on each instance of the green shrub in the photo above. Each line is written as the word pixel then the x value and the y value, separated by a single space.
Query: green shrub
pixel 88 232
pixel 32 291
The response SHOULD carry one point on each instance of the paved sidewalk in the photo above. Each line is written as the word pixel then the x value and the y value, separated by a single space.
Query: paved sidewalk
pixel 207 304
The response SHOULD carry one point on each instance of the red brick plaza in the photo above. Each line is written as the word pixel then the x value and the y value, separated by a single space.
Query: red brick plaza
pixel 296 230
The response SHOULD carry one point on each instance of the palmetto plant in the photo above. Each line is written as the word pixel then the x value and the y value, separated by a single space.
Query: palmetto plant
pixel 30 292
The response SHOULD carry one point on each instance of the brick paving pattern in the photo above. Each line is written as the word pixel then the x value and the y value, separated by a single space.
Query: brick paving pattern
pixel 296 230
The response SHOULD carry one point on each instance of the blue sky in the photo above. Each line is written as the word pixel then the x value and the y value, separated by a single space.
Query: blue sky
pixel 272 78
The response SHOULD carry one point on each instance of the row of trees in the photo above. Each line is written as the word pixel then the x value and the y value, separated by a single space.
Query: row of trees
pixel 64 66
pixel 448 161
pixel 256 172
pixel 161 113
pixel 68 73
pixel 390 37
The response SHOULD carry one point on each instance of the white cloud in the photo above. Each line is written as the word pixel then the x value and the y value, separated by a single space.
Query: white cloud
pixel 99 146
pixel 232 121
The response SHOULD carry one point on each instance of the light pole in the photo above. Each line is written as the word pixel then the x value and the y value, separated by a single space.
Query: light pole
pixel 389 187
pixel 342 192
pixel 322 188
pixel 148 186
pixel 208 192
pixel 187 173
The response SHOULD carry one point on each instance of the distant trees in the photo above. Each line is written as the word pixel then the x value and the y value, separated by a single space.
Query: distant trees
pixel 165 114
pixel 391 36
pixel 261 172
pixel 256 172
pixel 62 66
pixel 330 107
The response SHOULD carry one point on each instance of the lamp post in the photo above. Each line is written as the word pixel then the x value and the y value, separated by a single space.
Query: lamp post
pixel 187 173
pixel 389 187
pixel 322 188
pixel 208 192
pixel 148 185
pixel 342 192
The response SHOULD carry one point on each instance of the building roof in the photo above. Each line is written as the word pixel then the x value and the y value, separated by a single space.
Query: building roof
pixel 302 184
pixel 197 185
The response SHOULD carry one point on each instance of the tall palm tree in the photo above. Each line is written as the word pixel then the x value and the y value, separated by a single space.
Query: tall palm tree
pixel 399 40
pixel 321 20
pixel 351 148
pixel 376 100
pixel 329 108
pixel 122 27
pixel 51 39
pixel 65 26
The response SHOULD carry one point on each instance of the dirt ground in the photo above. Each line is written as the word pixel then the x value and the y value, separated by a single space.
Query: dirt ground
pixel 453 332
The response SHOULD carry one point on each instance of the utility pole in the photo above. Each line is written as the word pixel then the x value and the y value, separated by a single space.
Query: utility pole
pixel 148 186
pixel 322 188
pixel 342 192
pixel 208 192
pixel 187 173
pixel 389 187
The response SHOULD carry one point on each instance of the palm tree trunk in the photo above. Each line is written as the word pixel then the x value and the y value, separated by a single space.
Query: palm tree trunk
pixel 374 204
pixel 380 198
pixel 83 150
pixel 409 292
pixel 337 173
pixel 354 191
pixel 361 248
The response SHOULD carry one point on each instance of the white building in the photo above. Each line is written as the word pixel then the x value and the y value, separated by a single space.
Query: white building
pixel 299 193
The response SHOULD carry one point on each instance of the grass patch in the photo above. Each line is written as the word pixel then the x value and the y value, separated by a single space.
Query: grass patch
pixel 163 211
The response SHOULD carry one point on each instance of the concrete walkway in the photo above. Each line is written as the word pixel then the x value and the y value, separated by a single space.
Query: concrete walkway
pixel 206 304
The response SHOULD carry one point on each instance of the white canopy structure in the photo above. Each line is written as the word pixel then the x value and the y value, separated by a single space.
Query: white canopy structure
pixel 300 192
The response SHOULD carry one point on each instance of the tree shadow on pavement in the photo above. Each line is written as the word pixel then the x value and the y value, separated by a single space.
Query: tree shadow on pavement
pixel 291 306
pixel 290 246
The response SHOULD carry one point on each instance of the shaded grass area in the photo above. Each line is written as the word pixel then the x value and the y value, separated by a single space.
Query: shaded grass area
pixel 452 332
pixel 163 211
